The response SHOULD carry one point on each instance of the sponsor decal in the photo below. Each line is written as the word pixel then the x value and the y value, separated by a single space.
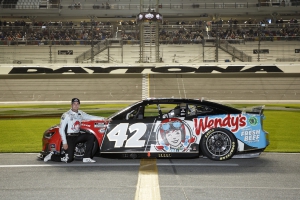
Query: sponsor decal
pixel 253 121
pixel 65 52
pixel 232 122
pixel 246 127
pixel 140 69
pixel 250 135
pixel 99 125
pixel 164 155
pixel 52 147
pixel 262 51
pixel 87 125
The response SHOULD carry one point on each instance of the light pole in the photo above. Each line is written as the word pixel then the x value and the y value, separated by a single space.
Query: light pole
pixel 92 38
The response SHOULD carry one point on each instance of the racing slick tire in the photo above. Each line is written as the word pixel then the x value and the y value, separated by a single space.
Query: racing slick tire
pixel 80 150
pixel 218 144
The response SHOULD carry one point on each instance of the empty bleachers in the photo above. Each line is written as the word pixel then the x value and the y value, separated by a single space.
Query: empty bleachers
pixel 40 52
pixel 32 4
pixel 9 3
pixel 276 51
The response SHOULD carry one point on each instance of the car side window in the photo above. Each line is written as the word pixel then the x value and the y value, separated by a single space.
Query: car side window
pixel 198 109
pixel 136 113
pixel 150 111
pixel 167 110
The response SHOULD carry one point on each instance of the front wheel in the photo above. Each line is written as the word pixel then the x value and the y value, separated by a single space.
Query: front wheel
pixel 218 144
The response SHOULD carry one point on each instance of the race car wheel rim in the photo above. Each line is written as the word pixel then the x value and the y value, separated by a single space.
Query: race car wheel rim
pixel 218 143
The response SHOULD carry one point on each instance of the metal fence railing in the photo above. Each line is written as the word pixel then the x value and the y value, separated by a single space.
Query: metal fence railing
pixel 235 52
pixel 135 5
pixel 94 50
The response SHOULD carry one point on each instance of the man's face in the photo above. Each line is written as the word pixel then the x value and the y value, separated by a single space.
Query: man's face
pixel 174 137
pixel 75 106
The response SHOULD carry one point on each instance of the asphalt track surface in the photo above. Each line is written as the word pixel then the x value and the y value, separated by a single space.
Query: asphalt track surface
pixel 95 88
pixel 270 176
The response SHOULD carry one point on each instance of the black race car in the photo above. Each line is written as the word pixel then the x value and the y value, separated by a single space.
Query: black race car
pixel 169 128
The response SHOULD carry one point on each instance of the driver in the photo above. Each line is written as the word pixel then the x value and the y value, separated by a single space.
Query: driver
pixel 69 131
pixel 178 111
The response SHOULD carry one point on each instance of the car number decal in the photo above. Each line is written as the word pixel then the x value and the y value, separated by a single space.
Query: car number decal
pixel 119 136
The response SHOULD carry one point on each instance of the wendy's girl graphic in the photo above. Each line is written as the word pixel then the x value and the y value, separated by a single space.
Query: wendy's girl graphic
pixel 174 135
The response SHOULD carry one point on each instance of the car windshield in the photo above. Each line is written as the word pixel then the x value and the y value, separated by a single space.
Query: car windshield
pixel 123 110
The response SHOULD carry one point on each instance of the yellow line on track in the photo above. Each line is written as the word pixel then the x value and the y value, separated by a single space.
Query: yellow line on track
pixel 147 186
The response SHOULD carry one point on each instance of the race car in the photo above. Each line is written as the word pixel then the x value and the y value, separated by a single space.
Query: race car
pixel 171 128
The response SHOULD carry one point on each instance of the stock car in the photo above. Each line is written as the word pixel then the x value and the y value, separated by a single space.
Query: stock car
pixel 171 128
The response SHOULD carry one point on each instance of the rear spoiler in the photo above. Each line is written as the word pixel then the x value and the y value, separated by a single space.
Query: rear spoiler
pixel 259 109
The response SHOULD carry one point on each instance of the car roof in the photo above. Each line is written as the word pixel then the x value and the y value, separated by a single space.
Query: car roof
pixel 191 101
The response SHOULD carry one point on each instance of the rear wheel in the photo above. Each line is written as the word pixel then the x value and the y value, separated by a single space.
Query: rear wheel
pixel 218 144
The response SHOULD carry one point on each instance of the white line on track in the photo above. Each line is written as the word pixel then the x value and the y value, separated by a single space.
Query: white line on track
pixel 118 165
pixel 69 165
pixel 132 101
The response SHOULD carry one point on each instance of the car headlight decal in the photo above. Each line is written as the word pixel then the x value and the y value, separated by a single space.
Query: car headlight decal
pixel 48 135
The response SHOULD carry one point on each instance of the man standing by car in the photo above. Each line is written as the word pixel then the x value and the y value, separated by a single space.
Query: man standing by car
pixel 69 131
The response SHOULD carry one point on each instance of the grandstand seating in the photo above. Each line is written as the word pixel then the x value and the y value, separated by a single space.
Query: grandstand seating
pixel 179 48
pixel 32 4
pixel 36 47
pixel 295 2
pixel 279 51
pixel 9 3
pixel 27 4
pixel 185 37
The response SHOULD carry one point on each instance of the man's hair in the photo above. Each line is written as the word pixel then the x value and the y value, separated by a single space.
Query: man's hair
pixel 75 100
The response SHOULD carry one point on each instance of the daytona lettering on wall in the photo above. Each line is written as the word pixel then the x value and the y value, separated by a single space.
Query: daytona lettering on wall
pixel 144 69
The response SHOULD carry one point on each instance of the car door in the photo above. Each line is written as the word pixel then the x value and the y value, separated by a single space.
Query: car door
pixel 128 132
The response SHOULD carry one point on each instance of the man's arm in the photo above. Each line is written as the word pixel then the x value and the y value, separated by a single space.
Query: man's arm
pixel 62 127
pixel 86 116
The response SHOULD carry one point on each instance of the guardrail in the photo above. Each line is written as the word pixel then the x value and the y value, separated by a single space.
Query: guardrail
pixel 133 6
pixel 235 52
pixel 137 42
pixel 257 25
pixel 213 5
pixel 98 48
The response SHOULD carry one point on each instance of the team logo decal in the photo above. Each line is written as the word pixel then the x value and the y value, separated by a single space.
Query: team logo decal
pixel 253 121
pixel 76 126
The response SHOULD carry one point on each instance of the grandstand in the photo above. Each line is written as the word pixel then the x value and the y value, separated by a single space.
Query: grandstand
pixel 34 31
pixel 107 33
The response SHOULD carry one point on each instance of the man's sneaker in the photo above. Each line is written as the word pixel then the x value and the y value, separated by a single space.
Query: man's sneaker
pixel 48 157
pixel 88 160
pixel 65 159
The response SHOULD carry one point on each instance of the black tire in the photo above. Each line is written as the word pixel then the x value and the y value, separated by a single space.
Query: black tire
pixel 80 149
pixel 218 144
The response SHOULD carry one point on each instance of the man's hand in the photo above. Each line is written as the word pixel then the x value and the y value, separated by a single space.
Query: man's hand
pixel 65 146
pixel 107 120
